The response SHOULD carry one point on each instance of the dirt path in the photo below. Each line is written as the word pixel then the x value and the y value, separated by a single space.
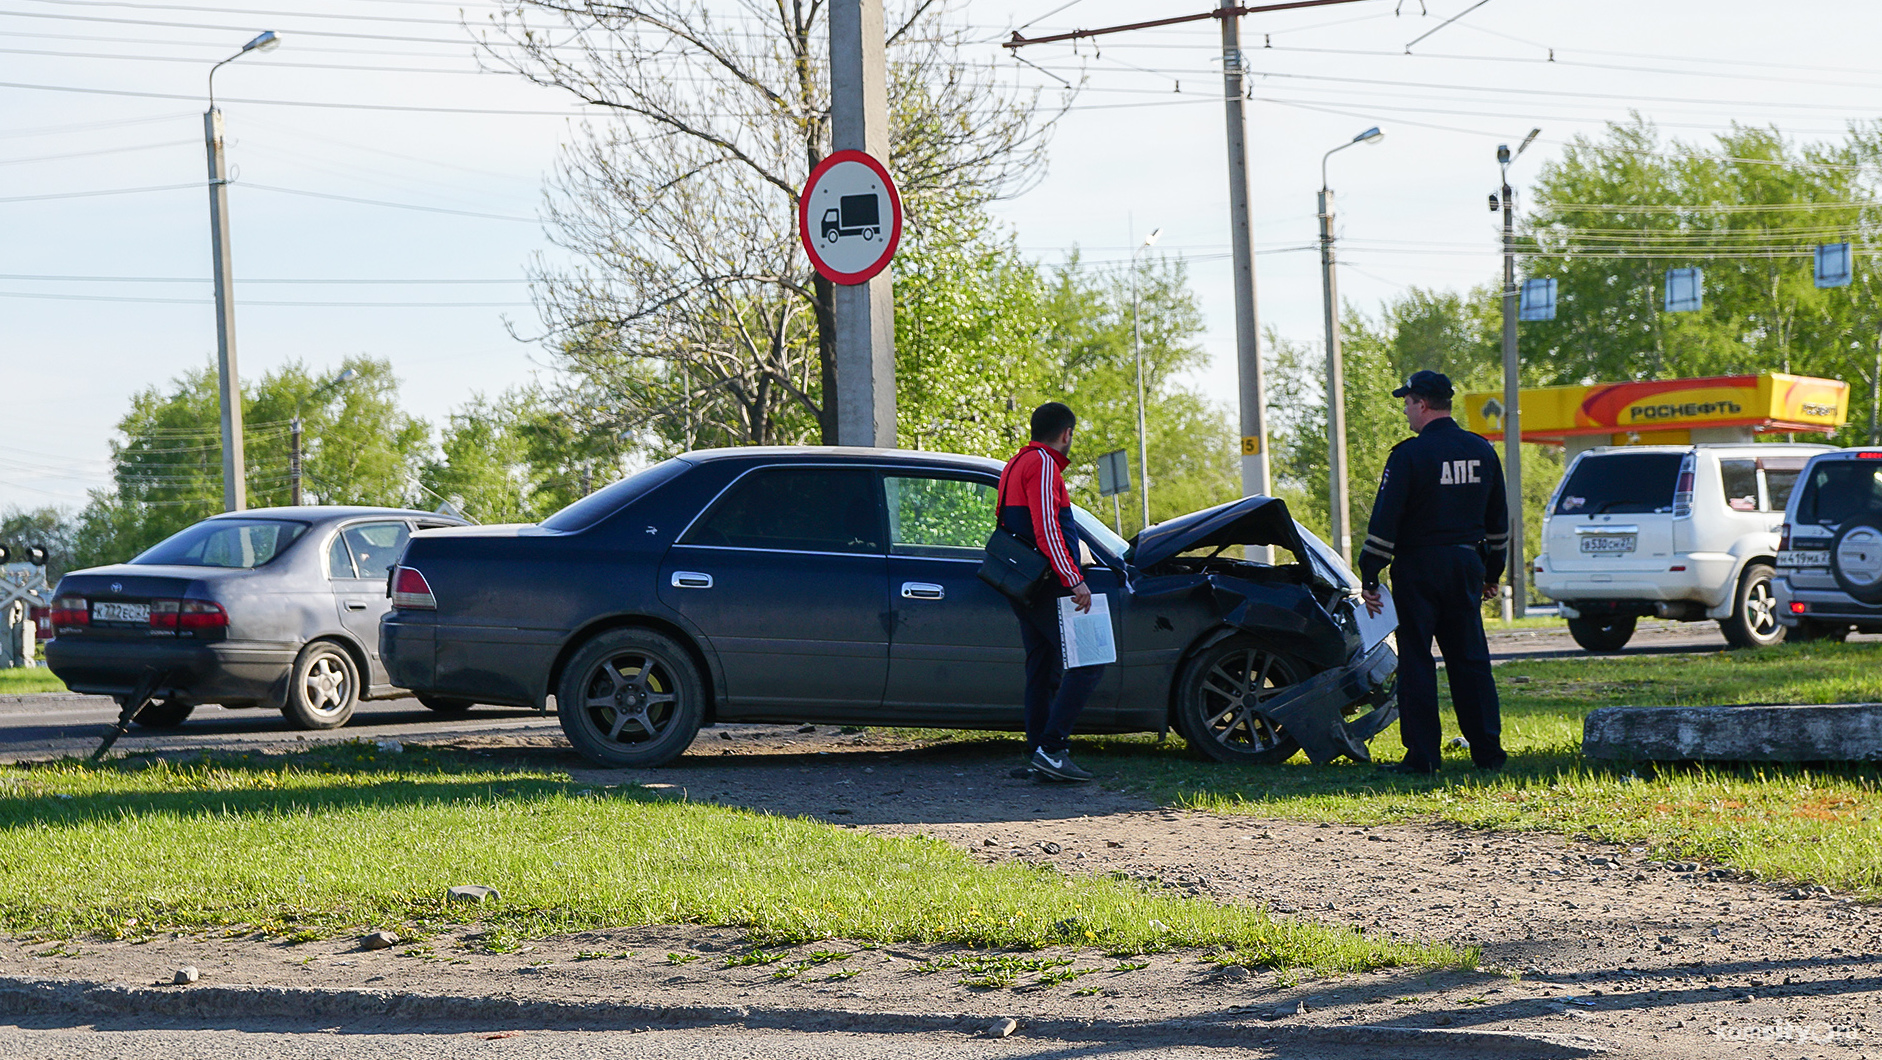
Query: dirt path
pixel 1578 938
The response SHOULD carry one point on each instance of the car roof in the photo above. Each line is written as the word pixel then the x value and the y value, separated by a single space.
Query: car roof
pixel 1754 447
pixel 326 513
pixel 843 454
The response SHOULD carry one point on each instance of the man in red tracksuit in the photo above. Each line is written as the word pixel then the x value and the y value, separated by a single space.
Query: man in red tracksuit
pixel 1035 508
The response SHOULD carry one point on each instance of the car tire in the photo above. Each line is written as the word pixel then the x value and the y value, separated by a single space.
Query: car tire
pixel 1856 562
pixel 1812 631
pixel 167 714
pixel 1753 623
pixel 444 704
pixel 1213 708
pixel 640 670
pixel 323 687
pixel 1609 633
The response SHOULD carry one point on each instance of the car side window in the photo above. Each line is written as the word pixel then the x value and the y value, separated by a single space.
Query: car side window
pixel 796 510
pixel 376 546
pixel 1740 479
pixel 946 518
pixel 339 560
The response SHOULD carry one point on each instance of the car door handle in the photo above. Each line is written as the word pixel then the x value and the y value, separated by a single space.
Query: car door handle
pixel 691 579
pixel 355 605
pixel 922 591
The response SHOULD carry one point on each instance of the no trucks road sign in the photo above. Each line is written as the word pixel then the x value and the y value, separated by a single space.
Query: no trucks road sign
pixel 849 217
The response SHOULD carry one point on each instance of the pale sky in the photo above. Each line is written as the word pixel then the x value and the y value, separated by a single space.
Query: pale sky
pixel 102 295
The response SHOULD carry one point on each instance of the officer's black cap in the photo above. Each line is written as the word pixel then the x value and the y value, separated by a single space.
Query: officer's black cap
pixel 1427 385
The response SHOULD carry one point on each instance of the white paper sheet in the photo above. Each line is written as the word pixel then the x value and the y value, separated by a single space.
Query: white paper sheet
pixel 1375 628
pixel 1086 638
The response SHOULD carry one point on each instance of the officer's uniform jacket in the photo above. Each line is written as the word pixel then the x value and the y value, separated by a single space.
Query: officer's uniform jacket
pixel 1443 486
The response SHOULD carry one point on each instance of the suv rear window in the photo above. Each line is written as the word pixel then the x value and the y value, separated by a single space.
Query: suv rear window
pixel 1836 491
pixel 1620 484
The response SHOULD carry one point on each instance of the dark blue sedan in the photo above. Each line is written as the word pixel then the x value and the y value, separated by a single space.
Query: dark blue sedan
pixel 839 586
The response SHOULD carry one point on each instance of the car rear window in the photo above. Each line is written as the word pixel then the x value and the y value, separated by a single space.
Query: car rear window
pixel 605 502
pixel 238 543
pixel 1836 491
pixel 1620 484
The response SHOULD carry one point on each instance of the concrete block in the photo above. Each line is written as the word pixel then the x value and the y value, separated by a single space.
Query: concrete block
pixel 1823 732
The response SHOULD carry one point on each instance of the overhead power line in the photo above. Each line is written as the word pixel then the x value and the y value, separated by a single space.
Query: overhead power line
pixel 57 297
pixel 326 104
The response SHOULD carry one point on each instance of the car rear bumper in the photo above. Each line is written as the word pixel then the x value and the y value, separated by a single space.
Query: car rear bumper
pixel 1708 579
pixel 1335 712
pixel 193 673
pixel 1821 605
pixel 489 664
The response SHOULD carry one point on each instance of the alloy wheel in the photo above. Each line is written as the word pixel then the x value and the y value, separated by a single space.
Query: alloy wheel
pixel 631 697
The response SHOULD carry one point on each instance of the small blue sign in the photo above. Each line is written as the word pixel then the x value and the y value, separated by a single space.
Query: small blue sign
pixel 1685 290
pixel 1833 265
pixel 1538 300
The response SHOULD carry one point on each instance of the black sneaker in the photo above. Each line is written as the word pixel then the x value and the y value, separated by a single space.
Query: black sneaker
pixel 1057 766
pixel 1408 769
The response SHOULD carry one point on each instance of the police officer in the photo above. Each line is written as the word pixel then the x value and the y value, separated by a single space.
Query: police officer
pixel 1442 524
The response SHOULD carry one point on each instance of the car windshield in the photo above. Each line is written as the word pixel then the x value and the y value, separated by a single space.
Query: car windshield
pixel 1620 484
pixel 1836 491
pixel 1099 534
pixel 238 543
pixel 605 502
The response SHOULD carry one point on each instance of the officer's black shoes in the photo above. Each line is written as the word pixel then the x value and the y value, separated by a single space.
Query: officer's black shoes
pixel 1057 766
pixel 1493 765
pixel 1408 769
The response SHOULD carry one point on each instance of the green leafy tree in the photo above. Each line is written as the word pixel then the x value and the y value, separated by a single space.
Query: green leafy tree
pixel 49 528
pixel 358 448
pixel 518 459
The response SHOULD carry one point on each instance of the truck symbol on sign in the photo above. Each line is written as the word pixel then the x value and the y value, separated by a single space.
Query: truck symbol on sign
pixel 853 215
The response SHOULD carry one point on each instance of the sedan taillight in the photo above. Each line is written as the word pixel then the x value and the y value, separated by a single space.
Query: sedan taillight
pixel 410 591
pixel 70 611
pixel 187 616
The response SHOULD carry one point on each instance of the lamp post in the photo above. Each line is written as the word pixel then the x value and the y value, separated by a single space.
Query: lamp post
pixel 1339 508
pixel 294 435
pixel 1137 348
pixel 1512 384
pixel 234 486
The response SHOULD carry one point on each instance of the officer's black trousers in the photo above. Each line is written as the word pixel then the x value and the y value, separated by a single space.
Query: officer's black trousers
pixel 1439 593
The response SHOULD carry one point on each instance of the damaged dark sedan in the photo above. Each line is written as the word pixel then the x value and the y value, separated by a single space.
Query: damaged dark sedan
pixel 838 586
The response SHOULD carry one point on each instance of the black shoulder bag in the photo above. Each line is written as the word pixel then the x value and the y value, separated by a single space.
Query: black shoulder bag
pixel 1014 568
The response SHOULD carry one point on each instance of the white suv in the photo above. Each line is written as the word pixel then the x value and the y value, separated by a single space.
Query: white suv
pixel 1829 564
pixel 1683 532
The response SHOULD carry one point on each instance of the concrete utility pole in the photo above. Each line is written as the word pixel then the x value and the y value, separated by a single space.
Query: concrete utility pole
pixel 1247 326
pixel 234 480
pixel 865 312
pixel 1137 347
pixel 1339 506
pixel 1512 387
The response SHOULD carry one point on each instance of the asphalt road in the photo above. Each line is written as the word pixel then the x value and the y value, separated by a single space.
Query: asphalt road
pixel 37 727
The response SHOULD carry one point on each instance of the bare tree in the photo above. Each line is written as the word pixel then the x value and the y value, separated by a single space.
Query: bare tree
pixel 693 311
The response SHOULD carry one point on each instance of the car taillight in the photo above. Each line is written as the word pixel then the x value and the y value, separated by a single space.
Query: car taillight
pixel 1682 492
pixel 187 616
pixel 1784 537
pixel 1798 607
pixel 70 611
pixel 411 592
pixel 1869 454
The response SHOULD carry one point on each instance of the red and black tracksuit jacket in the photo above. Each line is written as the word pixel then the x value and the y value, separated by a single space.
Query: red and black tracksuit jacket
pixel 1035 508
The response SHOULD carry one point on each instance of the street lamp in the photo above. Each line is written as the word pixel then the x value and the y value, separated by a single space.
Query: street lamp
pixel 294 434
pixel 1137 346
pixel 234 488
pixel 1512 385
pixel 1338 506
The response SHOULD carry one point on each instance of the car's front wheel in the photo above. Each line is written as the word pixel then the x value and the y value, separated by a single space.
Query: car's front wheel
pixel 167 714
pixel 1219 696
pixel 1609 633
pixel 631 697
pixel 323 688
pixel 1754 621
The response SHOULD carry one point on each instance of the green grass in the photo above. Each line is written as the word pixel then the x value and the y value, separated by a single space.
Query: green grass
pixel 18 681
pixel 349 837
pixel 1796 823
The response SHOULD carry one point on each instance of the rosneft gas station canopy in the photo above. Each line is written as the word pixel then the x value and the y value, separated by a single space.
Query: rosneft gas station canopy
pixel 1666 411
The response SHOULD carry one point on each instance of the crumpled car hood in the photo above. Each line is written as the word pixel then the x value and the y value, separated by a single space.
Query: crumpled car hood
pixel 1249 521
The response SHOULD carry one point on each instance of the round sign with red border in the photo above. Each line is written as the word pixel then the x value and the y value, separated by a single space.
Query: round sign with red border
pixel 849 217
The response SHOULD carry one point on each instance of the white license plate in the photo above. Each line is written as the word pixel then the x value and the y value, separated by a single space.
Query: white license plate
pixel 1804 558
pixel 1608 543
pixel 103 611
